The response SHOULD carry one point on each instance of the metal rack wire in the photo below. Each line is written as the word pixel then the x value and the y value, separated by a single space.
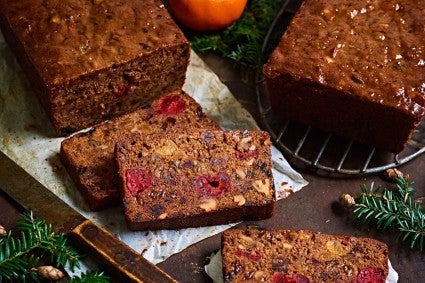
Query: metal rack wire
pixel 322 152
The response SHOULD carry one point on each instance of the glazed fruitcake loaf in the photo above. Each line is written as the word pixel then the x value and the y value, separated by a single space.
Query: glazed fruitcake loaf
pixel 91 60
pixel 281 256
pixel 89 156
pixel 202 178
pixel 354 68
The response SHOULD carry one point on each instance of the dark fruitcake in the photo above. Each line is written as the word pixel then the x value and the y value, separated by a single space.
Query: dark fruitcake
pixel 90 60
pixel 354 68
pixel 283 256
pixel 202 178
pixel 89 156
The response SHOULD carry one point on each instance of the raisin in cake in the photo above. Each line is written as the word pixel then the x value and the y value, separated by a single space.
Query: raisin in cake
pixel 89 156
pixel 354 68
pixel 89 60
pixel 201 178
pixel 280 256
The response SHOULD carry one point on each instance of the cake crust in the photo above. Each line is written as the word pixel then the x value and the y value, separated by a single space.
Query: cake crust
pixel 352 68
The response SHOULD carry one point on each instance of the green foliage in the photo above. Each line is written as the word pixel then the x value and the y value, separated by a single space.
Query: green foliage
pixel 242 41
pixel 393 209
pixel 90 277
pixel 53 245
pixel 20 256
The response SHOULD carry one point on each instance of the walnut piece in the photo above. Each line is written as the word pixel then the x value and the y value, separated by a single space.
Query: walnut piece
pixel 239 199
pixel 168 148
pixel 260 276
pixel 209 205
pixel 287 246
pixel 336 248
pixel 262 186
pixel 241 173
pixel 245 144
pixel 249 242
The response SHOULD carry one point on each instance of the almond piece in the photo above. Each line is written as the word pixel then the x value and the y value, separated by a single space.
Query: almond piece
pixel 163 215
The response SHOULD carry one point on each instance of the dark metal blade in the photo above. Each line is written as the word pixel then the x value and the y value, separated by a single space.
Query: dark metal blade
pixel 34 196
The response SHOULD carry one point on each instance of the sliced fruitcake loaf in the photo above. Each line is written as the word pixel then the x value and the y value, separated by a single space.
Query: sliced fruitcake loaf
pixel 201 178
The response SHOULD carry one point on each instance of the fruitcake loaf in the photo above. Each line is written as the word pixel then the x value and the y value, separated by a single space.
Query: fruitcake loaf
pixel 280 256
pixel 354 68
pixel 91 60
pixel 89 156
pixel 201 178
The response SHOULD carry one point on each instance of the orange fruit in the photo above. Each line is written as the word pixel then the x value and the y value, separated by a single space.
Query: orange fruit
pixel 207 15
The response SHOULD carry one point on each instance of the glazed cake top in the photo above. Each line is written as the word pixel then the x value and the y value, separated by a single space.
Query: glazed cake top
pixel 374 49
pixel 64 39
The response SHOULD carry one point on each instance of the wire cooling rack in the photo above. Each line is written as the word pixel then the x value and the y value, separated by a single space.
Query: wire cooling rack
pixel 311 148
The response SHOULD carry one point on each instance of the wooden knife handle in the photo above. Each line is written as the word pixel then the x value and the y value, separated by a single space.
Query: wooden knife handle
pixel 123 261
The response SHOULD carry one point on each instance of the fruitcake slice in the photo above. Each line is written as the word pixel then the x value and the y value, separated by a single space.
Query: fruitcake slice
pixel 201 178
pixel 89 156
pixel 281 256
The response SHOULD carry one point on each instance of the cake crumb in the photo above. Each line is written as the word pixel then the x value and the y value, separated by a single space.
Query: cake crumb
pixel 196 268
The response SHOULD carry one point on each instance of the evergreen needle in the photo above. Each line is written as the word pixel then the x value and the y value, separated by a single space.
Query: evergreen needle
pixel 19 256
pixel 393 209
pixel 242 41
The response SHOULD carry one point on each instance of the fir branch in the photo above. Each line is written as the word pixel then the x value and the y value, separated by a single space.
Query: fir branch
pixel 20 256
pixel 393 209
pixel 55 245
pixel 15 260
pixel 90 277
pixel 242 41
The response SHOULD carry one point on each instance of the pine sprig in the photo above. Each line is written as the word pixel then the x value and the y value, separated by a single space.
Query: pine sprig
pixel 54 245
pixel 242 41
pixel 20 256
pixel 90 277
pixel 393 209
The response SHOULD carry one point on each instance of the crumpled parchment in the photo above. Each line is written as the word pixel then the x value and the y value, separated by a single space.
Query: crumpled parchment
pixel 27 137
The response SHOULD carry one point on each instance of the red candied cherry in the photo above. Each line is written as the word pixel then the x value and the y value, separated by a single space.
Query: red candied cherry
pixel 294 278
pixel 171 104
pixel 370 275
pixel 122 90
pixel 213 186
pixel 246 155
pixel 137 181
pixel 251 255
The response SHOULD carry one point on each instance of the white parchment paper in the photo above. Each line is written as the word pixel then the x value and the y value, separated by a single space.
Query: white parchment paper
pixel 27 137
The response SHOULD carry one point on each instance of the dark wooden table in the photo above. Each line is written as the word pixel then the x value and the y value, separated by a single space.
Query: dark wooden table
pixel 314 207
